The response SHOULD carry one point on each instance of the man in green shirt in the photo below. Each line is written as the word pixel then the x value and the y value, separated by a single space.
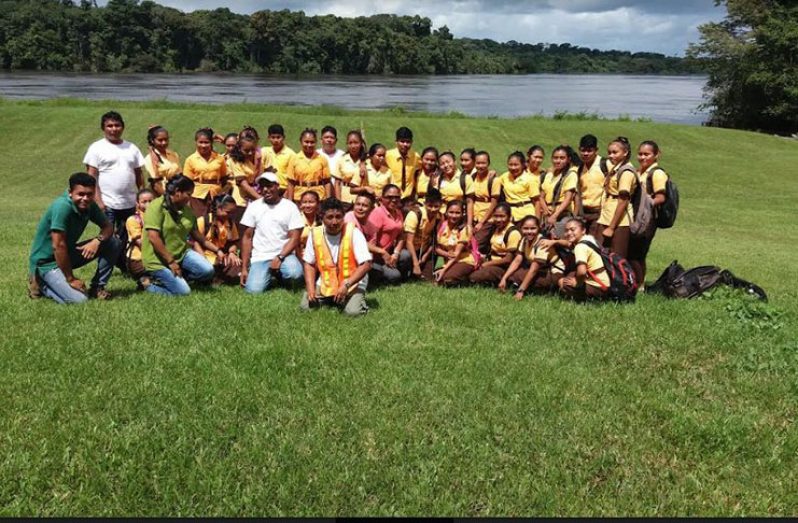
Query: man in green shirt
pixel 56 252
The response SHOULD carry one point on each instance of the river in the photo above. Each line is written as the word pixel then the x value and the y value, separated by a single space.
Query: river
pixel 673 99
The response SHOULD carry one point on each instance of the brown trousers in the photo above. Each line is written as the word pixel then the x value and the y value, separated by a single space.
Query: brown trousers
pixel 543 282
pixel 457 274
pixel 591 216
pixel 135 268
pixel 584 293
pixel 489 276
pixel 619 243
pixel 228 275
pixel 427 268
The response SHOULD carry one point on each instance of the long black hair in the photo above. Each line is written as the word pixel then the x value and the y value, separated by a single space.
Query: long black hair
pixel 180 183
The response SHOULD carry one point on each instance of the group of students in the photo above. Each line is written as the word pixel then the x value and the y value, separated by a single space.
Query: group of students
pixel 334 219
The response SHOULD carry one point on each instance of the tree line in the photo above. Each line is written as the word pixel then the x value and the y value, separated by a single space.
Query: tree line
pixel 133 36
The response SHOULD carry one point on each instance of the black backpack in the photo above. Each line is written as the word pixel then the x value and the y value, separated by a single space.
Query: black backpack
pixel 623 284
pixel 676 282
pixel 665 214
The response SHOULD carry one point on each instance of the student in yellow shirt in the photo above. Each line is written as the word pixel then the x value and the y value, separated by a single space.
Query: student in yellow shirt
pixel 378 176
pixel 229 140
pixel 453 245
pixel 309 207
pixel 308 170
pixel 220 230
pixel 207 169
pixel 421 226
pixel 590 280
pixel 536 266
pixel 468 161
pixel 135 227
pixel 558 190
pixel 244 166
pixel 350 170
pixel 653 180
pixel 534 161
pixel 503 245
pixel 427 176
pixel 455 185
pixel 487 191
pixel 616 212
pixel 591 182
pixel 278 155
pixel 521 189
pixel 162 163
pixel 403 162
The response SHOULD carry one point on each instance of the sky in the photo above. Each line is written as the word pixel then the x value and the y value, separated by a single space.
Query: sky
pixel 663 26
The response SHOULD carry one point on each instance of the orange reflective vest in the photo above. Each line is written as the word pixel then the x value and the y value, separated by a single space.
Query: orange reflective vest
pixel 331 271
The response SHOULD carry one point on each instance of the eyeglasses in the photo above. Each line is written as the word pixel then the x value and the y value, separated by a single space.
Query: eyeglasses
pixel 392 197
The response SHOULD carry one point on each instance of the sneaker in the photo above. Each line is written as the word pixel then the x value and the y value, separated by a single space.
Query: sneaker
pixel 99 293
pixel 34 291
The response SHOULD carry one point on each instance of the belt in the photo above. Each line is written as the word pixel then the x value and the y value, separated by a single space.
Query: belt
pixel 520 204
pixel 319 183
pixel 482 199
pixel 591 210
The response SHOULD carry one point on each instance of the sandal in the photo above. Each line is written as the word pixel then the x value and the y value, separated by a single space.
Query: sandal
pixel 100 293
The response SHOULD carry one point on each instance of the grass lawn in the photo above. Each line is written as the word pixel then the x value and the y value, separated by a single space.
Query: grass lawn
pixel 440 402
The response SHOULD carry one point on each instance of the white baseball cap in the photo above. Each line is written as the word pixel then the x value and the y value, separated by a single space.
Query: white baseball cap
pixel 268 177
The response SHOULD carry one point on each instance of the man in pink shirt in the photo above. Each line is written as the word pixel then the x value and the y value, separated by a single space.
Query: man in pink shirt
pixel 386 224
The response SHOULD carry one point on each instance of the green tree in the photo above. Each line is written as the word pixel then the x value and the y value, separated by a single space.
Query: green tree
pixel 752 60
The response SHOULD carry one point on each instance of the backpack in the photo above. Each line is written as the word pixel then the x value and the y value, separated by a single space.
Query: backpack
pixel 676 282
pixel 485 250
pixel 623 284
pixel 665 214
pixel 642 204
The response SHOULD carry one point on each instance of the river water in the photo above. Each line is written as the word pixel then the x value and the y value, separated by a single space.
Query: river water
pixel 672 99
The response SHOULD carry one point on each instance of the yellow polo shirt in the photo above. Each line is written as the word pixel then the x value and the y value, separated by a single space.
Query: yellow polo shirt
pixel 550 182
pixel 483 193
pixel 591 184
pixel 536 174
pixel 498 248
pixel 412 163
pixel 609 202
pixel 165 170
pixel 448 240
pixel 654 180
pixel 240 171
pixel 520 193
pixel 279 161
pixel 135 227
pixel 347 170
pixel 422 182
pixel 587 256
pixel 424 231
pixel 207 174
pixel 534 252
pixel 452 189
pixel 309 174
pixel 378 179
pixel 219 236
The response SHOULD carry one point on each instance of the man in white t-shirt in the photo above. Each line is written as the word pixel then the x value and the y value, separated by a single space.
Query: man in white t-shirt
pixel 116 164
pixel 273 228
pixel 340 278
pixel 329 138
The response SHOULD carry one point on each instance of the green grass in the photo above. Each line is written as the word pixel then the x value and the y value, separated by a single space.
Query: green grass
pixel 442 402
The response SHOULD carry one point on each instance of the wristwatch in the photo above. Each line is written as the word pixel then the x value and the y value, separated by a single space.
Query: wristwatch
pixel 281 258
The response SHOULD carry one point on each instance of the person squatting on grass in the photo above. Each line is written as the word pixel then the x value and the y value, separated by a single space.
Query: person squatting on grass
pixel 219 228
pixel 537 266
pixel 57 252
pixel 135 236
pixel 168 224
pixel 273 226
pixel 337 262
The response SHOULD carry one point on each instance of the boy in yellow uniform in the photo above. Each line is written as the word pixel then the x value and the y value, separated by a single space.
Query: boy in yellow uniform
pixel 403 163
pixel 591 181
pixel 278 154
pixel 421 226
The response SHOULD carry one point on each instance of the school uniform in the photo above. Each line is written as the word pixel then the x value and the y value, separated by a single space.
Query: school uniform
pixel 222 236
pixel 614 185
pixel 520 193
pixel 207 176
pixel 161 168
pixel 551 267
pixel 448 239
pixel 242 171
pixel 308 174
pixel 591 190
pixel 347 172
pixel 403 170
pixel 279 162
pixel 653 181
pixel 459 187
pixel 553 197
pixel 377 179
pixel 502 242
pixel 596 281
pixel 135 230
pixel 423 228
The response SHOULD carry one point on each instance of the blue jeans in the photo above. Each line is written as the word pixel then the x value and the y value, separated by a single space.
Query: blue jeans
pixel 260 274
pixel 54 284
pixel 194 267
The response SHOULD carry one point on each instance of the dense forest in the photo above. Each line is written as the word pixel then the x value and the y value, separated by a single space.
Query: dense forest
pixel 133 36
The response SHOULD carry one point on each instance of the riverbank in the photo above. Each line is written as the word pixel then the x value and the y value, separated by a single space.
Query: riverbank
pixel 438 402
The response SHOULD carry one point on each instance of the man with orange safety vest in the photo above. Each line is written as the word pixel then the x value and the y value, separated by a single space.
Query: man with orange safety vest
pixel 337 263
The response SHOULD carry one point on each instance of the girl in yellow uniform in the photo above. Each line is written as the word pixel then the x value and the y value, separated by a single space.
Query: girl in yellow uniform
pixel 503 245
pixel 308 170
pixel 428 175
pixel 590 281
pixel 220 230
pixel 207 169
pixel 377 173
pixel 309 205
pixel 616 212
pixel 162 163
pixel 135 229
pixel 536 267
pixel 468 161
pixel 653 180
pixel 558 189
pixel 455 185
pixel 534 161
pixel 521 189
pixel 453 245
pixel 351 170
pixel 244 166
pixel 487 190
